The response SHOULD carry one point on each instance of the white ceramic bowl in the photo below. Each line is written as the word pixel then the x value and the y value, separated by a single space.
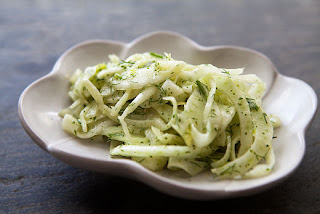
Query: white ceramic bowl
pixel 292 100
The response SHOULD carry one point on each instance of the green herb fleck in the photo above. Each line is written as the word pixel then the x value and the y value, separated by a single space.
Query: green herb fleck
pixel 118 76
pixel 126 62
pixel 156 55
pixel 225 72
pixel 230 170
pixel 162 91
pixel 132 104
pixel 259 157
pixel 202 89
pixel 252 104
pixel 264 117
pixel 139 161
pixel 195 164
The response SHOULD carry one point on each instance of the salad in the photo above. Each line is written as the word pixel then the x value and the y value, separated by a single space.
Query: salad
pixel 165 113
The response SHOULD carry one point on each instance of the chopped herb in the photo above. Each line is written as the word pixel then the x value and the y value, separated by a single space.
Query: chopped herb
pixel 264 117
pixel 162 91
pixel 139 161
pixel 126 62
pixel 195 164
pixel 252 104
pixel 118 76
pixel 131 104
pixel 208 160
pixel 230 170
pixel 202 89
pixel 259 156
pixel 225 72
pixel 156 55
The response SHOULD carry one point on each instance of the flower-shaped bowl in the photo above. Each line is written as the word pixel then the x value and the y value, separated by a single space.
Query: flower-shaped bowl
pixel 290 99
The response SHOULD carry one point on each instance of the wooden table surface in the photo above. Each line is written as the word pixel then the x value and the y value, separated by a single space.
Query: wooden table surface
pixel 34 33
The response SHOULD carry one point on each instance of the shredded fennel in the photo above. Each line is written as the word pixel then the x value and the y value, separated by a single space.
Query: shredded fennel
pixel 165 113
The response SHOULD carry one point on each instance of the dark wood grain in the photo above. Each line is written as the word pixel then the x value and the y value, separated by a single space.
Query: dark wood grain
pixel 34 33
